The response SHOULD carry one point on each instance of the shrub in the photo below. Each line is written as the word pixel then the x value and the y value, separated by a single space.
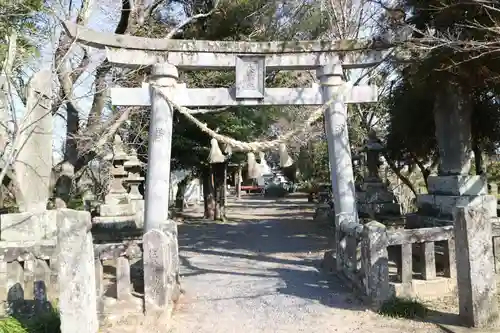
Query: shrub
pixel 403 308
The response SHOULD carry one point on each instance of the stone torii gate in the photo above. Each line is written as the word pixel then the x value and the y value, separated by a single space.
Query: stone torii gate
pixel 250 60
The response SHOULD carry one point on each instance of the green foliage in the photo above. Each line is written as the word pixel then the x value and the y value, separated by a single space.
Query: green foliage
pixel 275 191
pixel 493 172
pixel 411 130
pixel 49 322
pixel 313 162
pixel 411 133
pixel 76 202
pixel 321 163
pixel 19 16
pixel 403 308
pixel 11 325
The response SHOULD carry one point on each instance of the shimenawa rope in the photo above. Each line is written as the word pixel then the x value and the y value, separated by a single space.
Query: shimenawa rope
pixel 254 146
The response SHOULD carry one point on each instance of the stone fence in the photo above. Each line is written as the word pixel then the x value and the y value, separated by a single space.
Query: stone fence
pixel 28 276
pixel 423 262
pixel 402 262
pixel 70 271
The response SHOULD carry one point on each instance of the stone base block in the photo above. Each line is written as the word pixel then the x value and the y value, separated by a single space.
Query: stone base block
pixel 457 185
pixel 138 207
pixel 426 289
pixel 375 196
pixel 28 226
pixel 379 208
pixel 420 221
pixel 444 204
pixel 116 210
pixel 373 186
pixel 115 222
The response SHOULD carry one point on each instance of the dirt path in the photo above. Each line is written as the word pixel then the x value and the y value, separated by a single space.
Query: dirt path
pixel 259 273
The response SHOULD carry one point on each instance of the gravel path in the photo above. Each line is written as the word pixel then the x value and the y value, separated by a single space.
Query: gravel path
pixel 259 273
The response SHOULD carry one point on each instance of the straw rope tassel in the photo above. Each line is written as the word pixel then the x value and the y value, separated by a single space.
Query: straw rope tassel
pixel 216 155
pixel 285 159
pixel 252 165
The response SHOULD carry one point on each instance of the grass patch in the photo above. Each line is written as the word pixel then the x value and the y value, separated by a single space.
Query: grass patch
pixel 11 325
pixel 403 308
pixel 48 322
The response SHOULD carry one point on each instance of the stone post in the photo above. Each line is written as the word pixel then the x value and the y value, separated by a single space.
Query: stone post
pixel 375 262
pixel 159 148
pixel 77 285
pixel 339 150
pixel 33 165
pixel 161 268
pixel 475 267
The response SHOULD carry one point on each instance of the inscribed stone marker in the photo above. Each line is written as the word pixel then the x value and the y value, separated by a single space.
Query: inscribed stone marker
pixel 33 165
pixel 475 268
pixel 77 287
pixel 155 244
pixel 250 73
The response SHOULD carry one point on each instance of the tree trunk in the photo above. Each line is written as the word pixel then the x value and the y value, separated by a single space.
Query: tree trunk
pixel 218 176
pixel 208 190
pixel 181 190
pixel 239 176
pixel 224 193
pixel 478 158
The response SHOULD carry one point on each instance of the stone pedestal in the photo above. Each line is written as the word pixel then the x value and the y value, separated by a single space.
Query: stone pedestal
pixel 448 192
pixel 375 199
pixel 28 226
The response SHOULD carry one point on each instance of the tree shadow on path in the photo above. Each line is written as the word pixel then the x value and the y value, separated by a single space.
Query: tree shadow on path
pixel 288 246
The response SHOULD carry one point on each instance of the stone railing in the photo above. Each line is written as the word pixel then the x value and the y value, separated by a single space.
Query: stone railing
pixel 69 270
pixel 28 273
pixel 417 253
pixel 365 253
pixel 122 255
pixel 361 257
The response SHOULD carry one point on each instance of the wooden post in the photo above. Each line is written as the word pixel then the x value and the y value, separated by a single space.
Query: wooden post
pixel 238 182
pixel 218 175
pixel 159 148
pixel 224 191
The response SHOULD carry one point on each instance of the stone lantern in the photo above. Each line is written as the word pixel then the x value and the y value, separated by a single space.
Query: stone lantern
pixel 133 168
pixel 117 192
